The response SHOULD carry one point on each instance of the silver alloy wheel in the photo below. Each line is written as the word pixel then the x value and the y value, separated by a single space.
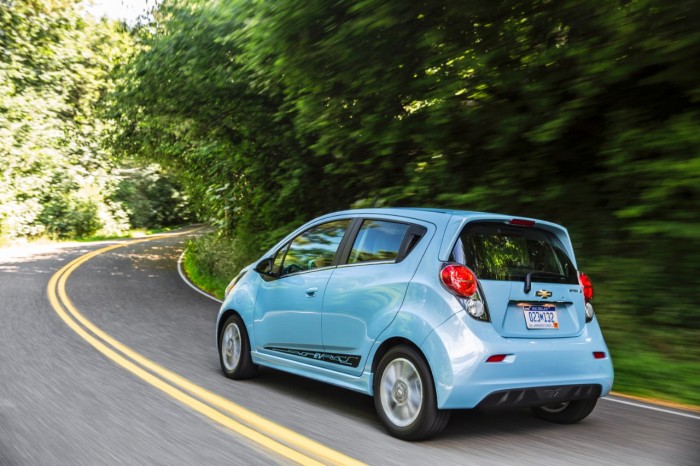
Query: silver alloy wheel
pixel 401 392
pixel 556 407
pixel 231 347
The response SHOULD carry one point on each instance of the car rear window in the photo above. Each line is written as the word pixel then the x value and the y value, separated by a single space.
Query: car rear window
pixel 495 251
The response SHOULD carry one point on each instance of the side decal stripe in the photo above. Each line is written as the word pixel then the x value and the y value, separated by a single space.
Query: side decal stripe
pixel 349 360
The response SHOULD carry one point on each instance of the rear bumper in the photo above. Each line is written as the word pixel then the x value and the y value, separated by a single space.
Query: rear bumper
pixel 535 372
pixel 538 396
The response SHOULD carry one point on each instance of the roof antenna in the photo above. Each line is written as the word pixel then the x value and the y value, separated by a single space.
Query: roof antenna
pixel 374 202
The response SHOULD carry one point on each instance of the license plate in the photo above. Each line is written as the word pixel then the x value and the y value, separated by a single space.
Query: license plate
pixel 541 317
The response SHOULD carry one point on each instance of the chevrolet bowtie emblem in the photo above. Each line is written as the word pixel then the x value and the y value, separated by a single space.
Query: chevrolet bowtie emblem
pixel 544 294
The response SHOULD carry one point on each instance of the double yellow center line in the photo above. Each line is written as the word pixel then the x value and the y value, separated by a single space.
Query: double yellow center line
pixel 274 437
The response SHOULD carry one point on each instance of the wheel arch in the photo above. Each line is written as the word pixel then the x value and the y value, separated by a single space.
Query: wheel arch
pixel 428 419
pixel 392 342
pixel 223 317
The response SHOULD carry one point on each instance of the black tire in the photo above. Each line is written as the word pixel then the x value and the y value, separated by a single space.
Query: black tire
pixel 408 374
pixel 241 368
pixel 566 413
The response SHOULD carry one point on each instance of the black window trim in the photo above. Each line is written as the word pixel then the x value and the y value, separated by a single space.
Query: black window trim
pixel 348 241
pixel 414 232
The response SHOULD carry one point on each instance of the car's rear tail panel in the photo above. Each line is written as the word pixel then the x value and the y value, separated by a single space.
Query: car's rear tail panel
pixel 527 276
pixel 556 313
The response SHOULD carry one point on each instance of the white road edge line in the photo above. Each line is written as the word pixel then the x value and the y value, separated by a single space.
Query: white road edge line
pixel 653 408
pixel 189 283
pixel 639 405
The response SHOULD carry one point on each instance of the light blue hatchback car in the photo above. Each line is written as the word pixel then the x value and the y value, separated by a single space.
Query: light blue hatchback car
pixel 427 310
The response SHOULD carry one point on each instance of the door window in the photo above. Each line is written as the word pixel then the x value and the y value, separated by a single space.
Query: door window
pixel 377 241
pixel 315 248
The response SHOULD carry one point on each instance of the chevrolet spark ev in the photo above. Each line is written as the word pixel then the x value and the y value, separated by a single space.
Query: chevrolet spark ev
pixel 426 310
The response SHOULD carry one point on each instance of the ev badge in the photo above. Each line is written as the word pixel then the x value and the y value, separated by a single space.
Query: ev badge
pixel 544 294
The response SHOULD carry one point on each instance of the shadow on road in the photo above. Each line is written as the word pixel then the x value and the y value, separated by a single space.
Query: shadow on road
pixel 463 423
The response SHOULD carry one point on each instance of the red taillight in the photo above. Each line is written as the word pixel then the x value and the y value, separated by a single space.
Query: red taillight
pixel 521 222
pixel 585 282
pixel 598 354
pixel 459 280
pixel 497 358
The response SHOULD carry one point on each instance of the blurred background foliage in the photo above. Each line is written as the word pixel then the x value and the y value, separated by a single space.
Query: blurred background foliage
pixel 58 177
pixel 585 113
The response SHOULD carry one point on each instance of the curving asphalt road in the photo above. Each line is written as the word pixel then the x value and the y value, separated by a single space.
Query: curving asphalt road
pixel 62 401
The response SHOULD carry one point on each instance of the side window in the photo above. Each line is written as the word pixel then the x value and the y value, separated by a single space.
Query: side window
pixel 377 240
pixel 315 248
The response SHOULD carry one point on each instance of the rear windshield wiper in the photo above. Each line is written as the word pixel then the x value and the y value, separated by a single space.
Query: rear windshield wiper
pixel 540 273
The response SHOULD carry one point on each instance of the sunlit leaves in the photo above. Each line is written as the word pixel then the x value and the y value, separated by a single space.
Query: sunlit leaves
pixel 54 68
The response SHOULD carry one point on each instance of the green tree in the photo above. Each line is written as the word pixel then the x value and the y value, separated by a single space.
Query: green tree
pixel 55 65
pixel 150 198
pixel 186 101
pixel 584 113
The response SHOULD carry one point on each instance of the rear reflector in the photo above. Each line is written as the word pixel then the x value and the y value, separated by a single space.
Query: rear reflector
pixel 599 354
pixel 497 358
pixel 521 222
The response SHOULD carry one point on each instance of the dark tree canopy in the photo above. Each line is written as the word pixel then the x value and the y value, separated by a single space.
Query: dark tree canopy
pixel 585 113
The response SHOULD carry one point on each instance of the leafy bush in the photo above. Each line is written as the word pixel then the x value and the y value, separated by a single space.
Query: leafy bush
pixel 213 259
pixel 150 198
pixel 54 69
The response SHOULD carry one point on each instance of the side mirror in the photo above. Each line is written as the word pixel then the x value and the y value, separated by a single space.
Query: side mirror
pixel 265 266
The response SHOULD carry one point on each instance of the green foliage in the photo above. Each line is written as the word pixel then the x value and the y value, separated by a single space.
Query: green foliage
pixel 58 178
pixel 151 199
pixel 583 113
pixel 54 66
pixel 652 361
pixel 212 260
pixel 233 146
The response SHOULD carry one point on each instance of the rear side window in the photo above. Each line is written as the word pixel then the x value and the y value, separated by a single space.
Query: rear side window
pixel 377 240
pixel 501 252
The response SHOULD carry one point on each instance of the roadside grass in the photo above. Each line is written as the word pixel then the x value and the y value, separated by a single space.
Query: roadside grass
pixel 202 277
pixel 645 373
pixel 654 362
pixel 650 360
pixel 211 262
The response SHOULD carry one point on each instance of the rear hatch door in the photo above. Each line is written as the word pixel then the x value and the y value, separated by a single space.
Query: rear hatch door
pixel 515 313
pixel 527 279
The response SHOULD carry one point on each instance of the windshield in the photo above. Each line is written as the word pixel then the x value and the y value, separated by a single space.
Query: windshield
pixel 495 251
